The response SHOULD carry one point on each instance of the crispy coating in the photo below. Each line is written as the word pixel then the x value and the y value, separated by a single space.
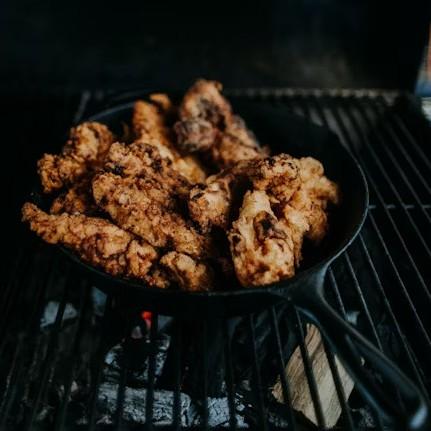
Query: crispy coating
pixel 163 101
pixel 212 204
pixel 95 240
pixel 85 150
pixel 158 277
pixel 135 208
pixel 195 135
pixel 149 126
pixel 78 199
pixel 187 272
pixel 204 100
pixel 144 160
pixel 236 143
pixel 313 196
pixel 207 125
pixel 262 249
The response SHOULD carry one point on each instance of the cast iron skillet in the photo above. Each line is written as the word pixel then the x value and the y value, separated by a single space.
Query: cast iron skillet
pixel 282 132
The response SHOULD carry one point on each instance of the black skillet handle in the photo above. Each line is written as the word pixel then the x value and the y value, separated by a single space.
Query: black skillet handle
pixel 350 346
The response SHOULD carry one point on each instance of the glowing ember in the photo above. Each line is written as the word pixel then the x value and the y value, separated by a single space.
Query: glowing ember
pixel 147 315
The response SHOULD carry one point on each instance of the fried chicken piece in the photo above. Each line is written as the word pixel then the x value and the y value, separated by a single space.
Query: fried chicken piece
pixel 144 160
pixel 135 208
pixel 195 135
pixel 157 277
pixel 149 125
pixel 187 272
pixel 213 204
pixel 207 125
pixel 163 101
pixel 78 199
pixel 236 143
pixel 86 149
pixel 262 250
pixel 95 240
pixel 204 100
pixel 313 197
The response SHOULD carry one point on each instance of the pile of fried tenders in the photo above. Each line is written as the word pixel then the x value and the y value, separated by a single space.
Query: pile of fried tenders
pixel 189 198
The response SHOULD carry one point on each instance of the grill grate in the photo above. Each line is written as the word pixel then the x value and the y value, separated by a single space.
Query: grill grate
pixel 57 374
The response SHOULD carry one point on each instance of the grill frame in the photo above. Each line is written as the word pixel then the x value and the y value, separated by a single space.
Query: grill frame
pixel 313 104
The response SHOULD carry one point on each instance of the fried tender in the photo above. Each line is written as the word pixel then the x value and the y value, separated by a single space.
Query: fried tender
pixel 261 248
pixel 95 240
pixel 187 272
pixel 208 125
pixel 85 150
pixel 149 126
pixel 78 199
pixel 313 197
pixel 212 204
pixel 236 143
pixel 135 208
pixel 144 160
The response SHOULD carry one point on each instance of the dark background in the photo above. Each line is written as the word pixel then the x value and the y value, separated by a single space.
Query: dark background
pixel 66 46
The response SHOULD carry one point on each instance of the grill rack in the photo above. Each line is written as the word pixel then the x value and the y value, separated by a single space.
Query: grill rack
pixel 388 136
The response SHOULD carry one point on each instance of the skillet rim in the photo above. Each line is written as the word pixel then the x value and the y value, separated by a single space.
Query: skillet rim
pixel 283 284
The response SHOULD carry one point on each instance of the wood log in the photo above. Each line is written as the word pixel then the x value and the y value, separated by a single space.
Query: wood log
pixel 298 383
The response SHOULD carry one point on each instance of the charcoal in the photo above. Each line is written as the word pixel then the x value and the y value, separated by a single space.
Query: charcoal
pixel 218 413
pixel 51 310
pixel 134 405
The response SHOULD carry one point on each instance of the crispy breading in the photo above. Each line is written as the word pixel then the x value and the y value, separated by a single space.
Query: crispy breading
pixel 95 240
pixel 144 160
pixel 313 196
pixel 134 208
pixel 187 272
pixel 207 125
pixel 262 249
pixel 78 199
pixel 86 149
pixel 204 100
pixel 149 125
pixel 236 143
pixel 212 204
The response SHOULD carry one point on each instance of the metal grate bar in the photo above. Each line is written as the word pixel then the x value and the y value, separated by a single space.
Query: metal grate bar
pixel 415 367
pixel 396 139
pixel 177 384
pixel 400 172
pixel 400 123
pixel 149 403
pixel 204 374
pixel 121 393
pixel 311 380
pixel 401 283
pixel 282 370
pixel 100 355
pixel 347 138
pixel 230 385
pixel 73 355
pixel 371 180
pixel 362 300
pixel 49 359
pixel 257 381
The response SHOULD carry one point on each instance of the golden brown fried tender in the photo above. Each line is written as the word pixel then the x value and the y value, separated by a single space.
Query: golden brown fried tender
pixel 95 240
pixel 85 150
pixel 212 204
pixel 236 143
pixel 207 125
pixel 204 100
pixel 78 199
pixel 135 208
pixel 149 125
pixel 187 272
pixel 313 197
pixel 262 249
pixel 144 160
